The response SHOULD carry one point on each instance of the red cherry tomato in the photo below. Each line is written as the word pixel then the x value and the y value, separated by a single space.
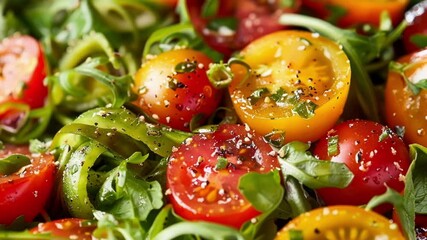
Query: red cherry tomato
pixel 376 156
pixel 22 71
pixel 26 191
pixel 417 27
pixel 70 228
pixel 199 190
pixel 172 97
pixel 249 20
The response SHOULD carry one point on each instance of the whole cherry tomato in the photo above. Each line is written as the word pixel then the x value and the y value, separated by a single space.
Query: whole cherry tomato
pixel 404 107
pixel 376 156
pixel 173 88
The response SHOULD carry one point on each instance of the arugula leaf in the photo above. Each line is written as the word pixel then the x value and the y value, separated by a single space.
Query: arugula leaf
pixel 414 199
pixel 127 196
pixel 109 227
pixel 265 193
pixel 336 13
pixel 419 155
pixel 297 161
pixel 13 163
pixel 37 146
pixel 203 230
pixel 419 39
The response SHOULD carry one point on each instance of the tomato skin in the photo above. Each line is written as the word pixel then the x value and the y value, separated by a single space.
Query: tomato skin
pixel 359 12
pixel 416 18
pixel 22 71
pixel 34 185
pixel 296 67
pixel 22 62
pixel 374 162
pixel 403 108
pixel 254 19
pixel 341 222
pixel 199 191
pixel 193 93
pixel 72 228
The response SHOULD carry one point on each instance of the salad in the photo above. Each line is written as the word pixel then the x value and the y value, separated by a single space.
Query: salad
pixel 215 119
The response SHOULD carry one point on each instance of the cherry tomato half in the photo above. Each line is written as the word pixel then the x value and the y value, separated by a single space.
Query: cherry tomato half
pixel 22 71
pixel 376 156
pixel 26 191
pixel 70 228
pixel 357 12
pixel 174 96
pixel 341 222
pixel 416 31
pixel 237 23
pixel 298 84
pixel 203 174
pixel 403 107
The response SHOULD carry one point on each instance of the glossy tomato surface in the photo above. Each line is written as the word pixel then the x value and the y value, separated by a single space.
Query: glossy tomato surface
pixel 236 23
pixel 174 97
pixel 26 192
pixel 341 222
pixel 299 84
pixel 376 156
pixel 22 71
pixel 415 34
pixel 199 190
pixel 348 13
pixel 403 107
pixel 69 228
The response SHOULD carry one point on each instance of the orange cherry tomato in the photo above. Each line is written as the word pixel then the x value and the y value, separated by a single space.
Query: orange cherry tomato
pixel 357 12
pixel 298 84
pixel 340 222
pixel 403 107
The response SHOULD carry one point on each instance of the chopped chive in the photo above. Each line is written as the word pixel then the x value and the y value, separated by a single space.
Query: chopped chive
pixel 387 132
pixel 221 163
pixel 257 94
pixel 332 145
pixel 305 109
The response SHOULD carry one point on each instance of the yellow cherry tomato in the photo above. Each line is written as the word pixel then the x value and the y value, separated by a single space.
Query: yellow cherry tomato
pixel 340 222
pixel 298 84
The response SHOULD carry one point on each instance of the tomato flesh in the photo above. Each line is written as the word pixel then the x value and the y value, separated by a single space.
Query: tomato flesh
pixel 175 98
pixel 200 191
pixel 26 192
pixel 72 228
pixel 376 160
pixel 341 222
pixel 291 65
